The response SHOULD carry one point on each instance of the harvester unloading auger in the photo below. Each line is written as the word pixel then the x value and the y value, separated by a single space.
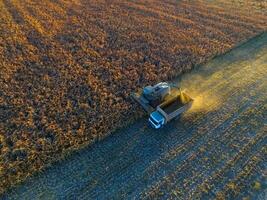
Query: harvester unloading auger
pixel 163 102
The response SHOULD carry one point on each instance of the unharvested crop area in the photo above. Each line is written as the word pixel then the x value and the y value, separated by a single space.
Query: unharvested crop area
pixel 67 67
pixel 216 150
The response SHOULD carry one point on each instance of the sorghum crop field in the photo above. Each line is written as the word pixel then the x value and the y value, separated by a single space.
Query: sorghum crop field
pixel 67 67
pixel 216 150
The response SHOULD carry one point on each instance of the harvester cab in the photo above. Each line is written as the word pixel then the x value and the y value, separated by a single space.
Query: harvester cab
pixel 158 91
pixel 156 94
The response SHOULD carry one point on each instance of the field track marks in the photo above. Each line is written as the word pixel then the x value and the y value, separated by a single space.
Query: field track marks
pixel 200 135
pixel 220 135
pixel 134 162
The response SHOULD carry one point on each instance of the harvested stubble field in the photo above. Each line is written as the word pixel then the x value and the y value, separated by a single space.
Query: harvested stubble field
pixel 216 150
pixel 67 67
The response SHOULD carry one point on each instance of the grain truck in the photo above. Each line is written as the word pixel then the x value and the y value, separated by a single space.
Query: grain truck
pixel 163 102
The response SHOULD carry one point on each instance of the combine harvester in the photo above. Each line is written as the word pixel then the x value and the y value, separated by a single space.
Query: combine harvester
pixel 163 103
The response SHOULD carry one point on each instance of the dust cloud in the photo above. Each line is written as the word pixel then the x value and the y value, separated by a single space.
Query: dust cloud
pixel 198 88
pixel 205 102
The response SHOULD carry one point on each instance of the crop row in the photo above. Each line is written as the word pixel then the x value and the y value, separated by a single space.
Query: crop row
pixel 68 67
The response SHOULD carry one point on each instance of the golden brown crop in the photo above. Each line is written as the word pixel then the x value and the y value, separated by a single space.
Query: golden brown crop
pixel 67 67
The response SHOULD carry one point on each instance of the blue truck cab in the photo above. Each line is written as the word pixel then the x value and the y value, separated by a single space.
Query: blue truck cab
pixel 156 120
